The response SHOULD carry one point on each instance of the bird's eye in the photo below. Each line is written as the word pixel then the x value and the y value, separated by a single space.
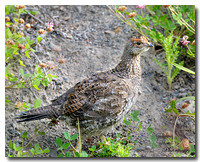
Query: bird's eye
pixel 138 43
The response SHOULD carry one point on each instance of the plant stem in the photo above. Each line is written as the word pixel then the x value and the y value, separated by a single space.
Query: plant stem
pixel 174 132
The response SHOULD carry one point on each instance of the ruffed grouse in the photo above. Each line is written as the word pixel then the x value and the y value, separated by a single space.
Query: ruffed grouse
pixel 102 100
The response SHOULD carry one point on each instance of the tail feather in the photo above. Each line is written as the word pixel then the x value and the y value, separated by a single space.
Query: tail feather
pixel 39 113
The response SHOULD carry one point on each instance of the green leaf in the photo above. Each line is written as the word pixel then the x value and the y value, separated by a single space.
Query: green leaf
pixel 183 68
pixel 126 121
pixel 20 41
pixel 118 135
pixel 176 111
pixel 39 38
pixel 77 154
pixel 68 154
pixel 8 33
pixel 84 154
pixel 36 87
pixel 150 130
pixel 140 126
pixel 27 54
pixel 45 82
pixel 169 110
pixel 32 151
pixel 38 69
pixel 67 135
pixel 173 104
pixel 58 141
pixel 13 79
pixel 37 82
pixel 24 135
pixel 26 75
pixel 37 103
pixel 65 145
pixel 22 72
pixel 134 115
pixel 38 150
pixel 162 66
pixel 7 100
pixel 155 145
pixel 74 137
pixel 60 155
pixel 184 98
pixel 21 63
pixel 153 141
pixel 41 133
pixel 10 144
pixel 46 150
pixel 27 39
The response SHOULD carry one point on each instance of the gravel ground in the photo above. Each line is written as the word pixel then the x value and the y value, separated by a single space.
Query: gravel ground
pixel 89 42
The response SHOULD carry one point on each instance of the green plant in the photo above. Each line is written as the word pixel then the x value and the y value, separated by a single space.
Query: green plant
pixel 170 47
pixel 18 48
pixel 65 146
pixel 152 137
pixel 111 148
pixel 177 144
pixel 164 20
pixel 23 151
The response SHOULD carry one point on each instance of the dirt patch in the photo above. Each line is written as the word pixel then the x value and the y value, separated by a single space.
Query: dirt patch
pixel 89 41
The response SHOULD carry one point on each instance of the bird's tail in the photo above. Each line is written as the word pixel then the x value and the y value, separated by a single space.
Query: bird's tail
pixel 48 111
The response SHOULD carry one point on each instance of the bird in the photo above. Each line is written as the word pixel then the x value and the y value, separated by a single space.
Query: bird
pixel 101 101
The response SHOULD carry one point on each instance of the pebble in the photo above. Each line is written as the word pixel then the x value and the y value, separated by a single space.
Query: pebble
pixel 182 95
pixel 58 82
pixel 176 87
pixel 11 130
pixel 109 32
pixel 53 153
pixel 66 18
pixel 182 90
pixel 78 34
pixel 69 36
pixel 79 8
pixel 142 148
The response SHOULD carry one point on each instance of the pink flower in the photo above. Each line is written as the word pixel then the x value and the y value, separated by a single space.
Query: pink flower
pixel 61 61
pixel 50 27
pixel 140 6
pixel 185 42
pixel 185 37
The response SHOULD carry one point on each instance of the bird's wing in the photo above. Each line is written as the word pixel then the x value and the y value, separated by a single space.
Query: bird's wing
pixel 103 94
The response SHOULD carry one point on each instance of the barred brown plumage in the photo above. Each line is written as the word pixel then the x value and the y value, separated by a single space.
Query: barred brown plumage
pixel 103 99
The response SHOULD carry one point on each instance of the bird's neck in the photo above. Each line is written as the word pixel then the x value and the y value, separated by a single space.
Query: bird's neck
pixel 130 66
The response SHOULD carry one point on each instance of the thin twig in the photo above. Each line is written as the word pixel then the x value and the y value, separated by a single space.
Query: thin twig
pixel 35 17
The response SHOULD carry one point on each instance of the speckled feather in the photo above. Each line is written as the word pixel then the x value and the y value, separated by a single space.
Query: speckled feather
pixel 101 100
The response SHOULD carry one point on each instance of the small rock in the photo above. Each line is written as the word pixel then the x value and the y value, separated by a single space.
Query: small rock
pixel 11 130
pixel 182 95
pixel 78 35
pixel 69 36
pixel 58 82
pixel 66 18
pixel 84 36
pixel 142 148
pixel 61 8
pixel 182 90
pixel 176 87
pixel 53 153
pixel 109 32
pixel 79 8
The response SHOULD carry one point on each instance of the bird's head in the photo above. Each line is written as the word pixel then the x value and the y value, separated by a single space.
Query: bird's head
pixel 137 45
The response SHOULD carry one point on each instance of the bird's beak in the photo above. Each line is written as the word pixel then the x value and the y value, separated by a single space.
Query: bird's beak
pixel 149 45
